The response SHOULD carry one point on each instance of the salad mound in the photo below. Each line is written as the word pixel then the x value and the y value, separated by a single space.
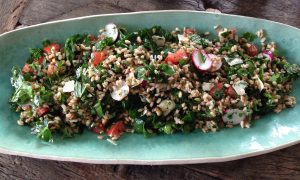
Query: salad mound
pixel 151 81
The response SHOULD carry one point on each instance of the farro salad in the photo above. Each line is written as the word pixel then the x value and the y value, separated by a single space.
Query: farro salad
pixel 151 81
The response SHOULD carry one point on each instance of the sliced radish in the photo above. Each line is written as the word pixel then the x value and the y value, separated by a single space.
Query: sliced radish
pixel 111 30
pixel 235 116
pixel 201 60
pixel 217 62
pixel 268 54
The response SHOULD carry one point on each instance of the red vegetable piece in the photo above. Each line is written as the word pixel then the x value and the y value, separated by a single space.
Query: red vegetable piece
pixel 174 58
pixel 116 130
pixel 52 69
pixel 99 57
pixel 217 87
pixel 189 31
pixel 98 129
pixel 231 92
pixel 27 69
pixel 40 60
pixel 251 49
pixel 47 49
pixel 42 111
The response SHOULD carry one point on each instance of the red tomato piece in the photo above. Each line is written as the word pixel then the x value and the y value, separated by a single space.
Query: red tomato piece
pixel 41 111
pixel 98 129
pixel 217 87
pixel 232 33
pixel 27 69
pixel 52 69
pixel 116 129
pixel 231 92
pixel 99 57
pixel 175 57
pixel 47 49
pixel 40 60
pixel 189 31
pixel 251 49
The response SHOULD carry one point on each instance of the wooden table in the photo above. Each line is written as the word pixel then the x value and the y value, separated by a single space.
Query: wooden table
pixel 281 164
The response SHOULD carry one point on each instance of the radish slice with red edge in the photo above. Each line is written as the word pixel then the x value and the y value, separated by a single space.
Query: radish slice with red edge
pixel 111 30
pixel 268 54
pixel 235 116
pixel 216 64
pixel 201 60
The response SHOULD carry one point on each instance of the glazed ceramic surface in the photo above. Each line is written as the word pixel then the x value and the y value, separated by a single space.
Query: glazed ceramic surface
pixel 269 133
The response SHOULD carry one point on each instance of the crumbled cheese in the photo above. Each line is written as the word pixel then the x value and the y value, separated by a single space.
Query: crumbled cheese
pixel 120 91
pixel 239 87
pixel 166 106
pixel 260 84
pixel 159 41
pixel 207 86
pixel 182 38
pixel 234 116
pixel 233 61
pixel 69 86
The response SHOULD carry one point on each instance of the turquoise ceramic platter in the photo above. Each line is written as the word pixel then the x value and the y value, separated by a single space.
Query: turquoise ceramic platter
pixel 271 132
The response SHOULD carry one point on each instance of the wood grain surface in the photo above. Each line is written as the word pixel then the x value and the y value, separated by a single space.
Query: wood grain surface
pixel 283 164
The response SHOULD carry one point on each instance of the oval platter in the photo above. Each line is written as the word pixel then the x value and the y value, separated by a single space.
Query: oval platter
pixel 270 133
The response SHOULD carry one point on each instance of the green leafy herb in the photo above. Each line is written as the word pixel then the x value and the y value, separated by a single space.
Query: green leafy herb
pixel 138 125
pixel 23 93
pixel 98 109
pixel 199 40
pixel 183 62
pixel 79 89
pixel 45 134
pixel 35 53
pixel 104 43
pixel 70 49
pixel 168 70
pixel 249 36
pixel 17 77
pixel 46 42
pixel 293 70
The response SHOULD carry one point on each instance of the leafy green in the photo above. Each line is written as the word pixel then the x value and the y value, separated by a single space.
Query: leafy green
pixel 44 96
pixel 183 62
pixel 102 44
pixel 46 42
pixel 188 117
pixel 167 69
pixel 98 109
pixel 138 125
pixel 23 93
pixel 17 77
pixel 293 70
pixel 79 89
pixel 70 49
pixel 142 73
pixel 249 36
pixel 35 53
pixel 42 131
pixel 167 129
pixel 225 34
pixel 199 40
